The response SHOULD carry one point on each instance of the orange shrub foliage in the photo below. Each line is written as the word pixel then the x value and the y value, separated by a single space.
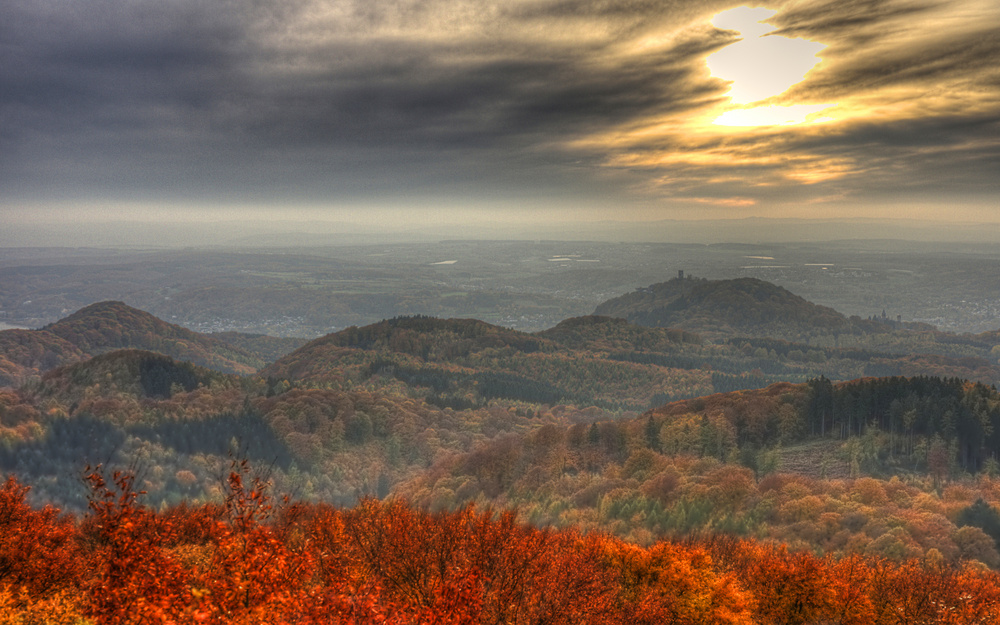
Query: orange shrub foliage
pixel 37 551
pixel 255 560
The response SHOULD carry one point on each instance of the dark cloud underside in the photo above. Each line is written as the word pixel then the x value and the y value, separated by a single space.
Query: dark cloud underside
pixel 303 99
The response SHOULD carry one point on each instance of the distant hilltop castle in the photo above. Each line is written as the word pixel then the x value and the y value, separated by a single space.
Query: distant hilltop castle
pixel 680 276
pixel 898 323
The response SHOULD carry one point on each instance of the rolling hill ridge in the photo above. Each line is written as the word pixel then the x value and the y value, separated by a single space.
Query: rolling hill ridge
pixel 449 411
pixel 108 326
pixel 717 308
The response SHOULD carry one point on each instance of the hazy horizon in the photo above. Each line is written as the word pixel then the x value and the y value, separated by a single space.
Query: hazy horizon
pixel 317 232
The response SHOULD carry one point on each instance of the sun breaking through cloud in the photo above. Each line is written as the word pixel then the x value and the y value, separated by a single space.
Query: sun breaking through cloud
pixel 806 93
pixel 530 104
pixel 760 66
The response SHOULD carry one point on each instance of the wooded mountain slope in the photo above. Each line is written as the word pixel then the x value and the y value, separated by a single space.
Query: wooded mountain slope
pixel 601 361
pixel 894 467
pixel 461 410
pixel 108 326
pixel 27 353
pixel 183 421
pixel 743 306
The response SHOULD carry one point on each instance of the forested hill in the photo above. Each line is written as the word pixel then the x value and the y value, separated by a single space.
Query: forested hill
pixel 425 339
pixel 126 372
pixel 599 333
pixel 263 347
pixel 182 421
pixel 445 412
pixel 109 326
pixel 717 308
pixel 27 353
pixel 888 467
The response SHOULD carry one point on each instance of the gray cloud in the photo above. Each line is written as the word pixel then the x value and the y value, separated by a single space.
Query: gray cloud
pixel 302 99
pixel 168 96
pixel 853 21
pixel 940 156
pixel 976 56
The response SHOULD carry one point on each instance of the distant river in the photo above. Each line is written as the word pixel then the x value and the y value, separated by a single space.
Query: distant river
pixel 7 326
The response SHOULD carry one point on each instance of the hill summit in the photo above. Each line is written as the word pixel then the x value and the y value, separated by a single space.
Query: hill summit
pixel 722 308
pixel 108 326
pixel 426 339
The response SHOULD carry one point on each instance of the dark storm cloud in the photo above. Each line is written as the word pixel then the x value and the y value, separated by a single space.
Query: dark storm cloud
pixel 93 75
pixel 940 156
pixel 621 16
pixel 543 95
pixel 320 100
pixel 174 93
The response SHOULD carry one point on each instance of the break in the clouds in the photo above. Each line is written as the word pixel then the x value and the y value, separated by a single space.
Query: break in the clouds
pixel 614 103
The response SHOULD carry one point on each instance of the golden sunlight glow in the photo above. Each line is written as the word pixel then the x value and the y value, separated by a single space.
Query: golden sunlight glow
pixel 772 115
pixel 761 66
pixel 767 133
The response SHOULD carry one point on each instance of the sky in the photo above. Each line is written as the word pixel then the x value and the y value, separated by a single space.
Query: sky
pixel 423 112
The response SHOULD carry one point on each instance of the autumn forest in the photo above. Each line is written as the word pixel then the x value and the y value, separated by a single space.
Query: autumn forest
pixel 695 452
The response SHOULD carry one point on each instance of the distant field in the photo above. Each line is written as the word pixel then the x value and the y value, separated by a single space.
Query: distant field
pixel 308 292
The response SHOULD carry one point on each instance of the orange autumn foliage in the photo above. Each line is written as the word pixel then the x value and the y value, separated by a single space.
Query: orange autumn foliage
pixel 254 559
